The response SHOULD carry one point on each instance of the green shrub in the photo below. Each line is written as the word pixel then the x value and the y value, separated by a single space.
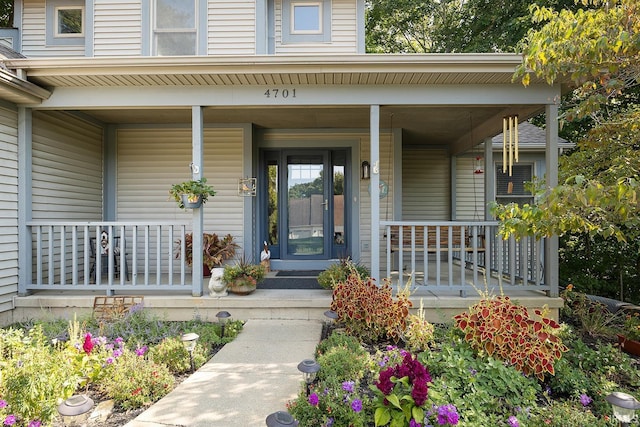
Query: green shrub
pixel 342 363
pixel 338 339
pixel 132 381
pixel 337 273
pixel 172 353
pixel 564 414
pixel 33 376
pixel 419 332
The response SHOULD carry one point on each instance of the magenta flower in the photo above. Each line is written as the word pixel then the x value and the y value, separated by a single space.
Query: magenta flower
pixel 3 403
pixel 585 400
pixel 10 420
pixel 419 392
pixel 384 383
pixel 513 421
pixel 448 414
pixel 141 350
pixel 414 423
pixel 314 399
pixel 117 353
pixel 109 360
pixel 119 341
pixel 356 405
pixel 88 344
pixel 35 423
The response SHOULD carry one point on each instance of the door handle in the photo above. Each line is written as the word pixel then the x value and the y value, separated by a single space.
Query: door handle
pixel 326 205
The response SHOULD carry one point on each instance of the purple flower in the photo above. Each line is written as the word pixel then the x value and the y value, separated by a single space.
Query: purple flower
pixel 141 350
pixel 119 341
pixel 513 421
pixel 3 403
pixel 473 372
pixel 10 420
pixel 356 405
pixel 35 423
pixel 117 353
pixel 414 423
pixel 314 399
pixel 585 400
pixel 329 423
pixel 448 414
pixel 348 386
pixel 109 360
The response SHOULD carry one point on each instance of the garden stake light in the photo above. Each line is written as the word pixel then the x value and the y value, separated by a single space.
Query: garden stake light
pixel 281 419
pixel 309 369
pixel 75 410
pixel 189 340
pixel 624 407
pixel 223 318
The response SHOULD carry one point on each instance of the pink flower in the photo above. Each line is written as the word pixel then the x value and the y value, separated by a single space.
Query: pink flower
pixel 141 351
pixel 10 420
pixel 313 399
pixel 88 344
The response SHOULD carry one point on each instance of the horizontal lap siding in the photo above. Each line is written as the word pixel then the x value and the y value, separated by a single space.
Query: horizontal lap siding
pixel 469 191
pixel 118 28
pixel 151 160
pixel 426 186
pixel 67 168
pixel 8 208
pixel 34 33
pixel 232 27
pixel 343 32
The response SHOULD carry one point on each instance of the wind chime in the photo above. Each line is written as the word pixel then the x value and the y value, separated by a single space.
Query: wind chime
pixel 509 146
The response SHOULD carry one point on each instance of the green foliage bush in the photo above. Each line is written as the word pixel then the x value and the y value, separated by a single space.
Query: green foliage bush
pixel 172 353
pixel 341 363
pixel 133 382
pixel 338 273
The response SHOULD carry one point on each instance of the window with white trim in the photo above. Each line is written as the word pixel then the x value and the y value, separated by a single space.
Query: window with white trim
pixel 306 21
pixel 65 22
pixel 306 18
pixel 69 21
pixel 511 189
pixel 175 31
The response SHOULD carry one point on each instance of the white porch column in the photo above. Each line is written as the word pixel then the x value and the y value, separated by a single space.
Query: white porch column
pixel 197 137
pixel 551 265
pixel 25 209
pixel 374 142
pixel 489 178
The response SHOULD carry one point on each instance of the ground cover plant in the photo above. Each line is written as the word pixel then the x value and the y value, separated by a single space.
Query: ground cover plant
pixel 134 359
pixel 496 364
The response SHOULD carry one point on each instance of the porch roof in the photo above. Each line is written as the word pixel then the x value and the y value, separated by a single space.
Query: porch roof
pixel 361 69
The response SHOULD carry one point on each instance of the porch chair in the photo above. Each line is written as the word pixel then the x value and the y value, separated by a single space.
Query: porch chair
pixel 104 251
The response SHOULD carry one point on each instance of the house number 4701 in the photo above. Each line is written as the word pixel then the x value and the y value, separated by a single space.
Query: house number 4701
pixel 280 93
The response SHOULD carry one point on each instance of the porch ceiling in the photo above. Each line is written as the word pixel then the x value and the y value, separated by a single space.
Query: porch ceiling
pixel 422 125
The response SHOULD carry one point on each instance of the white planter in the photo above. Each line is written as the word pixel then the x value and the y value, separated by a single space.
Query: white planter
pixel 217 288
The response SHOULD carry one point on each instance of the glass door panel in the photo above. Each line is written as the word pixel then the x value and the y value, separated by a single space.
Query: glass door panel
pixel 307 205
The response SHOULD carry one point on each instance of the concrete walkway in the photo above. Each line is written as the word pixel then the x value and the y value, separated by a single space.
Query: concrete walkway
pixel 248 379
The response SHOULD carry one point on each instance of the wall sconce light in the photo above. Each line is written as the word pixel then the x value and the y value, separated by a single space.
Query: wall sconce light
pixel 75 410
pixel 365 170
pixel 281 419
pixel 189 340
pixel 223 318
pixel 309 369
pixel 624 407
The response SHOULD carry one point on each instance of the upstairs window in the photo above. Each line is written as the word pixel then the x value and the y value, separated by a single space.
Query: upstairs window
pixel 305 21
pixel 69 22
pixel 511 189
pixel 306 18
pixel 175 31
pixel 66 23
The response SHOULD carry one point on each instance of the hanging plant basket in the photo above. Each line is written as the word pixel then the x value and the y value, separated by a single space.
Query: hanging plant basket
pixel 191 204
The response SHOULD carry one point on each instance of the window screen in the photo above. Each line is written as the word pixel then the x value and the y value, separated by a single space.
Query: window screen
pixel 511 189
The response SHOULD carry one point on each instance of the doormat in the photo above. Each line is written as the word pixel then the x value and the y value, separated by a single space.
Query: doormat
pixel 298 273
pixel 289 283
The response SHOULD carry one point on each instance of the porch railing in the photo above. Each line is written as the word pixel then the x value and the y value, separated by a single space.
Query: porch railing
pixel 108 256
pixel 461 256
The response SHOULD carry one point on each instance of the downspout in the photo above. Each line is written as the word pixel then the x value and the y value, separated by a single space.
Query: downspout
pixel 551 270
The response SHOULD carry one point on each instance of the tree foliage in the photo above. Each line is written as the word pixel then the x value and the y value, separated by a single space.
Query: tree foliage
pixel 6 13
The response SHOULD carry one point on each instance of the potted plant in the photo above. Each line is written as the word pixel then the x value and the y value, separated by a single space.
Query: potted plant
pixel 191 194
pixel 215 250
pixel 629 338
pixel 243 276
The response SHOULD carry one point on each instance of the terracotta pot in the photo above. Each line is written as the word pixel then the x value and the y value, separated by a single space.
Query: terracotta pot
pixel 242 286
pixel 629 346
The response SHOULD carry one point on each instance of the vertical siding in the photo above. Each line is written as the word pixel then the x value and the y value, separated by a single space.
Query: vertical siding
pixel 426 185
pixel 344 36
pixel 117 28
pixel 34 33
pixel 151 160
pixel 67 168
pixel 232 27
pixel 8 208
pixel 469 191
